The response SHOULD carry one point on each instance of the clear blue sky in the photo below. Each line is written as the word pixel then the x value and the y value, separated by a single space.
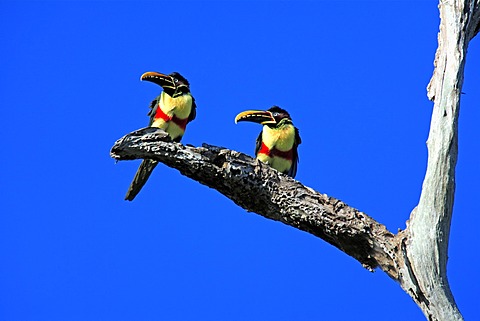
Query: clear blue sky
pixel 352 75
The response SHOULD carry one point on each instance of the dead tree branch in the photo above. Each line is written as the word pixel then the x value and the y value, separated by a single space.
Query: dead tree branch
pixel 258 188
pixel 416 257
pixel 425 248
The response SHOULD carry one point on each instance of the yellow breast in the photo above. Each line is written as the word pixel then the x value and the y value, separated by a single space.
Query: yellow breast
pixel 180 106
pixel 281 138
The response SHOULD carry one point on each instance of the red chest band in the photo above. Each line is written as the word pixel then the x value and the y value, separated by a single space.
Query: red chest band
pixel 182 123
pixel 275 152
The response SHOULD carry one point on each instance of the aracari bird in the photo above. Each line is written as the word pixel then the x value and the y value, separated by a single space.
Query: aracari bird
pixel 277 144
pixel 171 111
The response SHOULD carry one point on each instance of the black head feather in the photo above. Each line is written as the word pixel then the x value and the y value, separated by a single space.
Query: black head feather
pixel 180 78
pixel 279 113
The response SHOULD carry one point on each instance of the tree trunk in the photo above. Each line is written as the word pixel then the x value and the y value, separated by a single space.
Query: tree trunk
pixel 416 257
pixel 425 241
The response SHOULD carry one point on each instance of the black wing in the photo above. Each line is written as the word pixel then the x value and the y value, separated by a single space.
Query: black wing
pixel 153 110
pixel 193 112
pixel 293 170
pixel 258 143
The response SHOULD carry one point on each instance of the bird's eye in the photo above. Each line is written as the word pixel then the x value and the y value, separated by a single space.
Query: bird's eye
pixel 275 114
pixel 175 80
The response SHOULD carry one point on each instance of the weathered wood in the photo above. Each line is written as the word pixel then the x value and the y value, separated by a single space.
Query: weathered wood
pixel 416 257
pixel 425 241
pixel 258 188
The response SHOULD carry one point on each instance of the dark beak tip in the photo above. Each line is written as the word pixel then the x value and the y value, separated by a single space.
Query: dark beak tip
pixel 155 77
pixel 255 116
pixel 238 120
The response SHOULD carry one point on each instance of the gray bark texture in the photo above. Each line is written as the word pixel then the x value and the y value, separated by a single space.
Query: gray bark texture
pixel 416 257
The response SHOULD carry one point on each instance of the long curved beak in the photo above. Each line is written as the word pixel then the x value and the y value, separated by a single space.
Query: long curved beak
pixel 256 116
pixel 158 78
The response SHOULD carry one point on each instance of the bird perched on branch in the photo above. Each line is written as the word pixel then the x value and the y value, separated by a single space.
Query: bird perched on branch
pixel 278 141
pixel 171 111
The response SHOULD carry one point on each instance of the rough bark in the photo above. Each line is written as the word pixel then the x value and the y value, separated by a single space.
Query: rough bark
pixel 258 188
pixel 425 241
pixel 417 257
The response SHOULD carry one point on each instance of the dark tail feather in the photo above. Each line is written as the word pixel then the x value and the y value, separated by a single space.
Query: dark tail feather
pixel 141 177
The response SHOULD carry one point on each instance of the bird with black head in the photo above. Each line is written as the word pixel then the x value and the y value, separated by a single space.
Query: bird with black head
pixel 277 144
pixel 171 111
